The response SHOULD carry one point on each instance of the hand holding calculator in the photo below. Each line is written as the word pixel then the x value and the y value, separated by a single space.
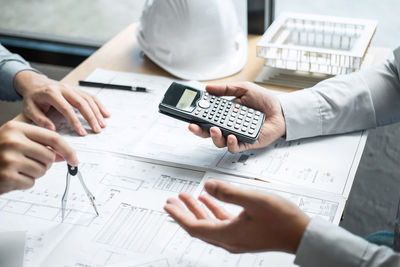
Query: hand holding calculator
pixel 199 107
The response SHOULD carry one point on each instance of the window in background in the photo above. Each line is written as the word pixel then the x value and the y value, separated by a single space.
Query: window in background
pixel 384 11
pixel 89 21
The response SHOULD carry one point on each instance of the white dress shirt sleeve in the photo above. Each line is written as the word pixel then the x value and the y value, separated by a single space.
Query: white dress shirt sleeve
pixel 346 103
pixel 324 244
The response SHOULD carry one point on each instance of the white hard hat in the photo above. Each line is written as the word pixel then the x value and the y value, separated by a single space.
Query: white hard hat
pixel 193 39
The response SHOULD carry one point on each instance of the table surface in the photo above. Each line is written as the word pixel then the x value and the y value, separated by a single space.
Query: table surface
pixel 122 53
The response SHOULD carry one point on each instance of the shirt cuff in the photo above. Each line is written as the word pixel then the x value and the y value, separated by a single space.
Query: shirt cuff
pixel 8 71
pixel 324 244
pixel 302 114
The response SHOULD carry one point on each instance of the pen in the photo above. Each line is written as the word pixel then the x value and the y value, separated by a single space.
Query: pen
pixel 113 86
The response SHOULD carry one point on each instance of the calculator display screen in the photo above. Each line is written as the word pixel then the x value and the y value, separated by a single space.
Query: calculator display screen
pixel 186 99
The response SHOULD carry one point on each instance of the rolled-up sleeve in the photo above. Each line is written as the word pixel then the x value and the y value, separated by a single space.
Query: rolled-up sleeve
pixel 346 103
pixel 10 65
pixel 324 244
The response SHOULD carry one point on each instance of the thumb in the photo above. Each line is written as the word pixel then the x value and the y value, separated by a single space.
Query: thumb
pixel 34 113
pixel 228 193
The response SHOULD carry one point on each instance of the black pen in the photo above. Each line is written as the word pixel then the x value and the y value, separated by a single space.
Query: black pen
pixel 113 86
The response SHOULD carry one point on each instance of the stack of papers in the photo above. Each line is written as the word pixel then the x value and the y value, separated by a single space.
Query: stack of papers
pixel 143 158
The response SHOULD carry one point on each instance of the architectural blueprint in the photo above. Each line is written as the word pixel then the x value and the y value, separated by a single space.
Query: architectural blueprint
pixel 143 158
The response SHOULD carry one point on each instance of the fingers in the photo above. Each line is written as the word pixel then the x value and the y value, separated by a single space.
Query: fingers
pixel 31 168
pixel 54 140
pixel 194 206
pixel 232 89
pixel 228 193
pixel 197 130
pixel 22 181
pixel 89 99
pixel 34 113
pixel 218 211
pixel 62 105
pixel 101 107
pixel 84 108
pixel 217 137
pixel 39 153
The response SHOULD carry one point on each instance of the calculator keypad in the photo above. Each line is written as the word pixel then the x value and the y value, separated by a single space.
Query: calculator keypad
pixel 230 115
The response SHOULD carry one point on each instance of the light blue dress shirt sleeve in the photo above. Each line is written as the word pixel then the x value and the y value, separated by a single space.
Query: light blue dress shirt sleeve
pixel 324 244
pixel 10 65
pixel 346 103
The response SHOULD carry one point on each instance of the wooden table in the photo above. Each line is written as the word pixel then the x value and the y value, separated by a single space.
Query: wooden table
pixel 122 53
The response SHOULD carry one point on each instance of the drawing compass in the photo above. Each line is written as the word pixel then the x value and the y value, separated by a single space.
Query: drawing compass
pixel 73 171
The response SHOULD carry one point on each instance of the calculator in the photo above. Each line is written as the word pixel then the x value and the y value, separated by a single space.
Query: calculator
pixel 195 106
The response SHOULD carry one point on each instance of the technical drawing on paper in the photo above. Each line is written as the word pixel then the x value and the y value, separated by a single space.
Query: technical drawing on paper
pixel 310 162
pixel 133 228
pixel 124 182
pixel 172 184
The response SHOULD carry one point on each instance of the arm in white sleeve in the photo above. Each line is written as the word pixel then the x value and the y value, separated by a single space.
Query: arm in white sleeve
pixel 346 103
pixel 10 65
pixel 324 244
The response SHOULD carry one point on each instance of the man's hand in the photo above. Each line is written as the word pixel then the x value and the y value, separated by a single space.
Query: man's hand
pixel 27 152
pixel 40 93
pixel 254 96
pixel 267 222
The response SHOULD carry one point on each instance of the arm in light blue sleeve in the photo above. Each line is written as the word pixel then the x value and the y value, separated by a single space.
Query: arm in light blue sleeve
pixel 324 244
pixel 10 65
pixel 362 100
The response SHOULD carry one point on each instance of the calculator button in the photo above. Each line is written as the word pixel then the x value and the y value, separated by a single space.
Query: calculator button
pixel 258 112
pixel 253 126
pixel 204 103
pixel 222 121
pixel 247 119
pixel 237 126
pixel 242 112
pixel 204 115
pixel 196 113
pixel 216 119
pixel 224 117
pixel 231 119
pixel 244 108
pixel 251 110
pixel 235 110
pixel 230 124
pixel 240 117
pixel 237 106
pixel 251 131
pixel 246 124
pixel 238 121
pixel 233 114
pixel 244 129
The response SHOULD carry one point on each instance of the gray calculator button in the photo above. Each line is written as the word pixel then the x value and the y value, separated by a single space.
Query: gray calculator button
pixel 238 121
pixel 204 103
pixel 253 126
pixel 258 112
pixel 251 131
pixel 210 116
pixel 256 117
pixel 246 124
pixel 247 119
pixel 216 119
pixel 244 129
pixel 230 124
pixel 242 112
pixel 240 117
pixel 233 114
pixel 204 115
pixel 244 108
pixel 197 113
pixel 237 126
pixel 231 119
pixel 224 117
pixel 251 110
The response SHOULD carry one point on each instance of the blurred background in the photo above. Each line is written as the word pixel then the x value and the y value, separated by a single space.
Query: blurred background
pixel 55 36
